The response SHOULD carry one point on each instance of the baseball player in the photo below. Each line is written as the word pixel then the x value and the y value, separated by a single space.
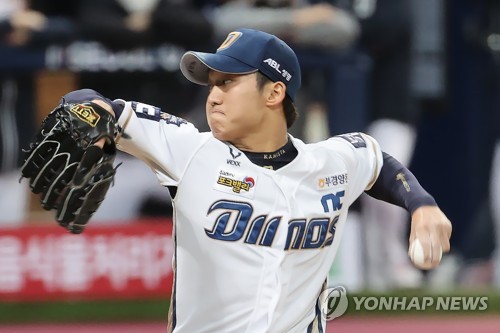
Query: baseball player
pixel 258 214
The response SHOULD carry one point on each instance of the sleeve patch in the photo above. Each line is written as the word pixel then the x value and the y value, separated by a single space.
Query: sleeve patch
pixel 154 113
pixel 145 109
pixel 171 119
pixel 354 139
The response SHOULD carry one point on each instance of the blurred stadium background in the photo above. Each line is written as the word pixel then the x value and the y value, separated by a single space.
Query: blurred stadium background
pixel 117 275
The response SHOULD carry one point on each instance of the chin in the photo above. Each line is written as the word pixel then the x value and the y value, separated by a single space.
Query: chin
pixel 216 129
pixel 220 136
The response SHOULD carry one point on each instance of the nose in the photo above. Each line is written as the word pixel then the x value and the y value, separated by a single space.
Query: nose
pixel 214 96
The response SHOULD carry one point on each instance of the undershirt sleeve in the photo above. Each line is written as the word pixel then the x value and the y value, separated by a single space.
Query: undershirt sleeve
pixel 397 185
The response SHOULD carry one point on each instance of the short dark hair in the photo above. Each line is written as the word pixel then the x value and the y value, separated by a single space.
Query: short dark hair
pixel 288 106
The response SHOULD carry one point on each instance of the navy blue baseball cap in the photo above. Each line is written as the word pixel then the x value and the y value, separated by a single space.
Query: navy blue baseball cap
pixel 246 51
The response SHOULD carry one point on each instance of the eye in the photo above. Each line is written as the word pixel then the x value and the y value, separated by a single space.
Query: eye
pixel 219 83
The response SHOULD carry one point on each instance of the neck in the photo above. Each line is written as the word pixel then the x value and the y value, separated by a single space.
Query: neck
pixel 276 159
pixel 263 142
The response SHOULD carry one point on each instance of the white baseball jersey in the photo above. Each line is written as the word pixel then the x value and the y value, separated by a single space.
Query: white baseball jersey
pixel 253 246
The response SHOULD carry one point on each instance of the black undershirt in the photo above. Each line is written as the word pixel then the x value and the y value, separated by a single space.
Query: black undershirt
pixel 276 159
pixel 398 186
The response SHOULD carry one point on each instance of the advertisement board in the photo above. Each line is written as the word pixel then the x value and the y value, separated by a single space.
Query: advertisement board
pixel 116 261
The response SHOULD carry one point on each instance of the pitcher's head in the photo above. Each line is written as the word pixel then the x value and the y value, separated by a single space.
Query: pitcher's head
pixel 246 51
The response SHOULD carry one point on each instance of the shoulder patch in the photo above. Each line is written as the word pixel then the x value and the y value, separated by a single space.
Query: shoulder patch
pixel 155 113
pixel 354 139
pixel 171 119
pixel 142 109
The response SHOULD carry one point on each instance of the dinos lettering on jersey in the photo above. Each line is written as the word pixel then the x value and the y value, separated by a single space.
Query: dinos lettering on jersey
pixel 354 139
pixel 235 221
pixel 311 234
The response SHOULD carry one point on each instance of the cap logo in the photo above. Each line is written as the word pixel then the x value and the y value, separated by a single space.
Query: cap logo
pixel 276 66
pixel 230 39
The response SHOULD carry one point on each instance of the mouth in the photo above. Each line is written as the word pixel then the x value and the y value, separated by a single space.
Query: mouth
pixel 215 111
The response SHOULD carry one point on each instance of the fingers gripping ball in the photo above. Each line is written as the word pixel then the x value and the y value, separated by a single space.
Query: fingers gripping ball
pixel 417 255
pixel 66 168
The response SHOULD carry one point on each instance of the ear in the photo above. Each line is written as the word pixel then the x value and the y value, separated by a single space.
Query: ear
pixel 276 94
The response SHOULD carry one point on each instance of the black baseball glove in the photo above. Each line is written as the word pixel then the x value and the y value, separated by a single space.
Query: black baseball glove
pixel 63 164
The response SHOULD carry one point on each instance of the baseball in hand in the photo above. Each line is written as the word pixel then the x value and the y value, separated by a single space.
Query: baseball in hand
pixel 418 258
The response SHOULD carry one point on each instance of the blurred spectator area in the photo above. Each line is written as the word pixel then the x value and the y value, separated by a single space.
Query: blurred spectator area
pixel 123 49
